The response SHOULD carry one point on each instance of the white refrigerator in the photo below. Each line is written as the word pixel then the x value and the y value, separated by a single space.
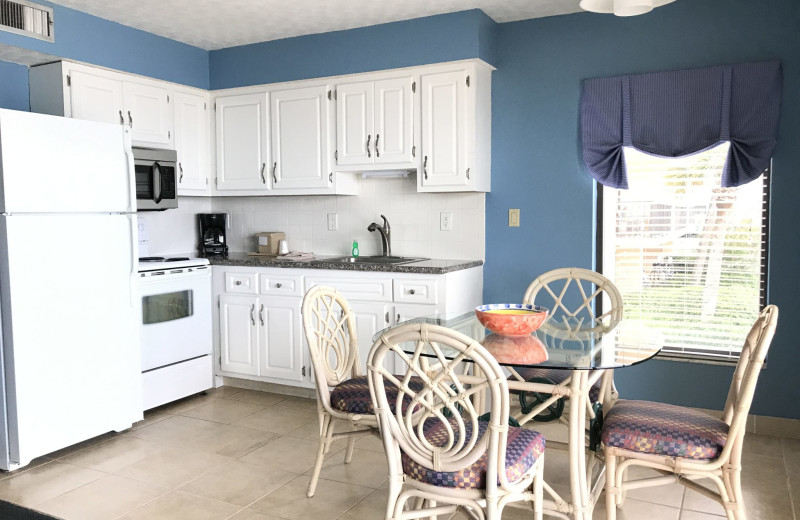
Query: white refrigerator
pixel 70 348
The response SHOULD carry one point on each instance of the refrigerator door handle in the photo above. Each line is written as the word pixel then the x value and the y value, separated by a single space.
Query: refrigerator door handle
pixel 133 225
pixel 130 169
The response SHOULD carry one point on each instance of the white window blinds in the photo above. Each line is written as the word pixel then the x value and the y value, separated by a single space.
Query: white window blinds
pixel 688 256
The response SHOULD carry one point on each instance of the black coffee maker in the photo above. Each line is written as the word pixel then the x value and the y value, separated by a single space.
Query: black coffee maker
pixel 212 234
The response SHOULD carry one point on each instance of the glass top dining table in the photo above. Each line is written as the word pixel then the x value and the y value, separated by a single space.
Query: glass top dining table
pixel 588 353
pixel 561 345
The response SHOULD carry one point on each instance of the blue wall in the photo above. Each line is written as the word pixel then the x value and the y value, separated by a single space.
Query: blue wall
pixel 447 37
pixel 536 162
pixel 14 86
pixel 87 38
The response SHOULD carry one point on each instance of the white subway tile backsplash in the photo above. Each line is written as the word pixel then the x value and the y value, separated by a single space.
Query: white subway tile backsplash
pixel 414 218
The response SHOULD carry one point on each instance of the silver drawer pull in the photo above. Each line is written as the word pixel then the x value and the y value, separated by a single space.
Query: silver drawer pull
pixel 278 285
pixel 412 291
pixel 237 282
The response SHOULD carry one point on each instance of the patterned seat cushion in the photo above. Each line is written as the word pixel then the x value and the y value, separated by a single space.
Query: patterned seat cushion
pixel 664 429
pixel 555 375
pixel 352 396
pixel 523 449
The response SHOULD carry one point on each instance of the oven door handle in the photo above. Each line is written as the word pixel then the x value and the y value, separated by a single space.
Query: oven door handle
pixel 261 314
pixel 252 315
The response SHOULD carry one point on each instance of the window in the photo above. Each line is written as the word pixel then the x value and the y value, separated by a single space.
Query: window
pixel 688 256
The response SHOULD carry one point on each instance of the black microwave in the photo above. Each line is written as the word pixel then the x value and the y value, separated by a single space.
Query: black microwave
pixel 156 179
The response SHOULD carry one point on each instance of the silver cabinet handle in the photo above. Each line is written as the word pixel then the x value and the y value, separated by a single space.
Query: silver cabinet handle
pixel 237 282
pixel 377 150
pixel 412 291
pixel 252 316
pixel 261 314
pixel 398 317
pixel 180 167
pixel 369 138
pixel 425 167
pixel 263 179
pixel 467 173
pixel 278 285
pixel 274 178
pixel 387 318
pixel 130 119
pixel 121 118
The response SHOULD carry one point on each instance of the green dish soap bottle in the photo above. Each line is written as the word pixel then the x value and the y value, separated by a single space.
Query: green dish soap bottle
pixel 355 248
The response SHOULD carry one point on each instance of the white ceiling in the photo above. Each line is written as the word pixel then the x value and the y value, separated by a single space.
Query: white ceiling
pixel 216 24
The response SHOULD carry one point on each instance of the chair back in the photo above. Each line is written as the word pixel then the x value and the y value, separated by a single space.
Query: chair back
pixel 745 377
pixel 330 328
pixel 575 298
pixel 444 405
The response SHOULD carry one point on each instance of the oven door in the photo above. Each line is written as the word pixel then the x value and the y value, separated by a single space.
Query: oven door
pixel 175 316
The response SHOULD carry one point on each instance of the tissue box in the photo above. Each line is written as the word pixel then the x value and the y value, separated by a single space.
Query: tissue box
pixel 268 242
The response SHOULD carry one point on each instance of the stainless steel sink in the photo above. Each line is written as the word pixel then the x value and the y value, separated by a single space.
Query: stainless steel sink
pixel 373 260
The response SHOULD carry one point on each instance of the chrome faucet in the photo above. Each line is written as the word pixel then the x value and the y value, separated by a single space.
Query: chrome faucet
pixel 386 235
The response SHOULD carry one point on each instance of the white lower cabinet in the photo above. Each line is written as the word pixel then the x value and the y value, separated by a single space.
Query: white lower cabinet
pixel 259 331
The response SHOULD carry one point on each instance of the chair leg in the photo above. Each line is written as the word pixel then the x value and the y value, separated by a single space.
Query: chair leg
pixel 538 494
pixel 325 426
pixel 611 486
pixel 351 443
pixel 734 482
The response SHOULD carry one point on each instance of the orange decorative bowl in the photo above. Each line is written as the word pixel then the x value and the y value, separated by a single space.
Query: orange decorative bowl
pixel 519 350
pixel 511 319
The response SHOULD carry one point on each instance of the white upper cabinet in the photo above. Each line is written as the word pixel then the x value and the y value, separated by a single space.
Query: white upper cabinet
pixel 95 98
pixel 375 124
pixel 191 141
pixel 456 129
pixel 300 130
pixel 149 113
pixel 83 92
pixel 241 128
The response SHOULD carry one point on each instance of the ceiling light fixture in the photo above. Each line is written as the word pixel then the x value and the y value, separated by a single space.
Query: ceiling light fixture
pixel 622 7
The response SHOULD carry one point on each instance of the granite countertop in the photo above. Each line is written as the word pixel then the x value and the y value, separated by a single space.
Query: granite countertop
pixel 430 266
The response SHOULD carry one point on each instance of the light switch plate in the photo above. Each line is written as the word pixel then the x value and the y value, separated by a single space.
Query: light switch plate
pixel 446 221
pixel 513 217
pixel 333 222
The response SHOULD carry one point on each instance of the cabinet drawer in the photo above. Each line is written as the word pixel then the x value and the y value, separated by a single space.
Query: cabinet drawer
pixel 415 291
pixel 280 285
pixel 374 290
pixel 241 283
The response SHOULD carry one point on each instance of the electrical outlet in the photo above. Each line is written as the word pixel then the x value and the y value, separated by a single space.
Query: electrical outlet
pixel 446 221
pixel 513 218
pixel 333 222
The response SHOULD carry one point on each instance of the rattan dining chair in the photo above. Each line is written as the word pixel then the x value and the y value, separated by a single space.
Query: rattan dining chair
pixel 342 390
pixel 441 456
pixel 574 297
pixel 685 444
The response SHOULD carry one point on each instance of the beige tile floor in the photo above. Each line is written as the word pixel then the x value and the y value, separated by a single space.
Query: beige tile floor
pixel 247 455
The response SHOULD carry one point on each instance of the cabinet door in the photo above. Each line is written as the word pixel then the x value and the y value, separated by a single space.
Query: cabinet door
pixel 370 318
pixel 148 111
pixel 444 120
pixel 238 334
pixel 394 114
pixel 281 344
pixel 95 98
pixel 191 142
pixel 354 124
pixel 242 142
pixel 300 130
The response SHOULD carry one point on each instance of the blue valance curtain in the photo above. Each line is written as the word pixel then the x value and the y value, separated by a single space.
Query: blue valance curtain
pixel 678 113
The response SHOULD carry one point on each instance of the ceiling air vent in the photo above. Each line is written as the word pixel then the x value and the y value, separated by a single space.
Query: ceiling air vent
pixel 27 19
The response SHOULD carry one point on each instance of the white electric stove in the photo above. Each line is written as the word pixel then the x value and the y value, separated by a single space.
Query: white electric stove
pixel 175 328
